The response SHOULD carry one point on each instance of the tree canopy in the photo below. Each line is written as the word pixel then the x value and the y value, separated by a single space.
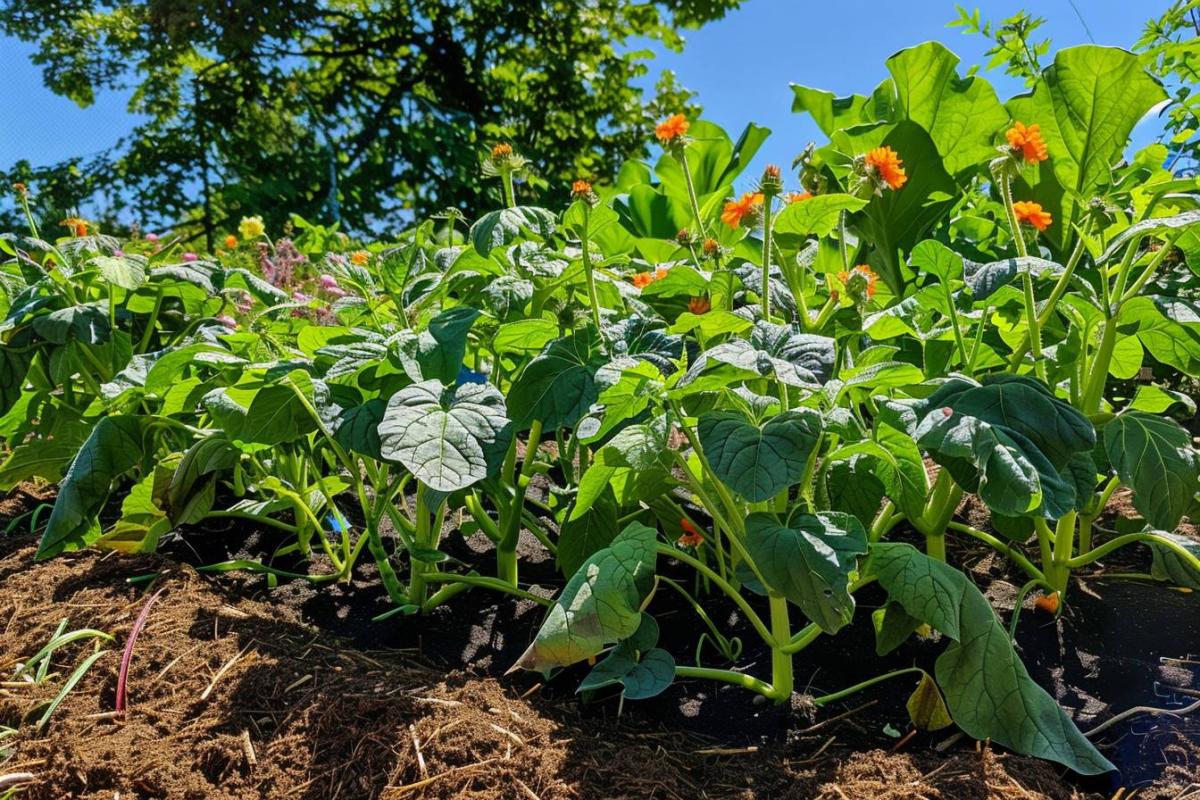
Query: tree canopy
pixel 346 110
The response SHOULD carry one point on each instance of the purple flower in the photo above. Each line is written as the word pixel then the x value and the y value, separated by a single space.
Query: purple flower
pixel 328 282
pixel 227 321
pixel 151 237
pixel 300 297
pixel 189 256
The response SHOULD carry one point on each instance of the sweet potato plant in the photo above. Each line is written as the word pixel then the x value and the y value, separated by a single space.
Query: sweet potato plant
pixel 784 382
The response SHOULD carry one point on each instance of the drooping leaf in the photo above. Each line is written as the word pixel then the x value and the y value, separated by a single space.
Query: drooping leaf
pixel 1170 565
pixel 599 606
pixel 988 691
pixel 84 323
pixel 499 228
pixel 113 448
pixel 926 708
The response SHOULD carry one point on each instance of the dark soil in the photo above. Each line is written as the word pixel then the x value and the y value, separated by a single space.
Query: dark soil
pixel 308 698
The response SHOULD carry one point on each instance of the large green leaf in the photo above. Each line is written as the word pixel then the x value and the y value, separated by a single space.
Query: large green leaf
pixel 600 605
pixel 1154 456
pixel 127 271
pixel 635 463
pixel 759 462
pixel 988 690
pixel 582 535
pixel 113 448
pixel 84 323
pixel 559 385
pixel 1169 565
pixel 961 115
pixel 1087 103
pixel 816 216
pixel 809 561
pixel 501 227
pixel 447 438
pixel 802 360
pixel 436 353
pixel 832 113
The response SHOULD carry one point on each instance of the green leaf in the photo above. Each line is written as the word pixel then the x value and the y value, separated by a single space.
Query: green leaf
pixel 1087 104
pixel 936 258
pixel 583 535
pixel 448 439
pixel 559 385
pixel 635 464
pixel 830 112
pixel 501 227
pixel 127 272
pixel 524 336
pixel 436 353
pixel 816 216
pixel 809 561
pixel 358 428
pixel 113 448
pixel 1154 456
pixel 759 462
pixel 84 323
pixel 1148 226
pixel 796 359
pixel 989 693
pixel 1168 565
pixel 961 115
pixel 984 280
pixel 599 606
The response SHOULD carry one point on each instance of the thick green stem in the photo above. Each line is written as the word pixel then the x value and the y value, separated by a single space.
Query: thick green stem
pixel 1130 538
pixel 1006 548
pixel 781 661
pixel 727 676
pixel 1064 544
pixel 826 699
pixel 506 181
pixel 506 548
pixel 1031 317
pixel 733 594
pixel 691 189
pixel 1093 392
pixel 958 337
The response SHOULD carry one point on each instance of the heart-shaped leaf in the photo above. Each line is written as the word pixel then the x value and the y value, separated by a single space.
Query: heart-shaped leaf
pixel 447 438
pixel 1154 456
pixel 759 462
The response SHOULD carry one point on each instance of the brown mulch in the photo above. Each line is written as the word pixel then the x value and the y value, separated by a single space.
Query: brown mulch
pixel 237 698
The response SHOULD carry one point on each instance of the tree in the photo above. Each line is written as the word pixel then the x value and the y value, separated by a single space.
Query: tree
pixel 347 110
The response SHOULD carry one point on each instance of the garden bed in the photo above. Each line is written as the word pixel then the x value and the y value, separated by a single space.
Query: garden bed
pixel 246 693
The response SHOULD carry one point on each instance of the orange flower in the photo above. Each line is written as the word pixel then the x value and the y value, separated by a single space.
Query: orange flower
pixel 581 188
pixel 20 188
pixel 736 209
pixel 887 163
pixel 699 305
pixel 230 241
pixel 501 150
pixel 797 197
pixel 691 537
pixel 359 258
pixel 79 227
pixel 672 128
pixel 860 273
pixel 1027 140
pixel 1033 214
pixel 660 273
pixel 711 246
pixel 1047 603
pixel 643 279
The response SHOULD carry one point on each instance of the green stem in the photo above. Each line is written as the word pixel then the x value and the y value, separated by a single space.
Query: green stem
pixel 1006 548
pixel 826 699
pixel 781 661
pixel 506 182
pixel 958 337
pixel 1031 317
pixel 691 190
pixel 1132 538
pixel 1064 543
pixel 807 635
pixel 734 595
pixel 727 676
pixel 506 548
pixel 484 582
pixel 766 260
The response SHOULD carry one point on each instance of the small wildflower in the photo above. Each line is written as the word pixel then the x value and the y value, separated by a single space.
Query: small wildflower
pixel 711 247
pixel 699 305
pixel 672 129
pixel 582 190
pixel 335 292
pixel 1027 142
pixel 660 273
pixel 118 253
pixel 797 197
pixel 860 281
pixel 691 537
pixel 328 281
pixel 643 279
pixel 189 256
pixel 359 258
pixel 735 210
pixel 227 321
pixel 947 412
pixel 79 227
pixel 771 184
pixel 1033 213
pixel 230 241
pixel 151 237
pixel 251 227
pixel 1047 603
pixel 20 189
pixel 300 297
pixel 502 150
pixel 887 165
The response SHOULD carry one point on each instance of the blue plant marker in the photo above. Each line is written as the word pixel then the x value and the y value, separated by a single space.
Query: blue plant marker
pixel 470 376
pixel 335 523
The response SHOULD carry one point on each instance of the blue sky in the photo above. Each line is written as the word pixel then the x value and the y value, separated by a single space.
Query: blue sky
pixel 740 66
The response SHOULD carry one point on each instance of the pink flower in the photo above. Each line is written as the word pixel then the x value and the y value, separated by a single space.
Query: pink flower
pixel 151 237
pixel 227 321
pixel 189 257
pixel 300 297
pixel 118 253
pixel 335 291
pixel 328 282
